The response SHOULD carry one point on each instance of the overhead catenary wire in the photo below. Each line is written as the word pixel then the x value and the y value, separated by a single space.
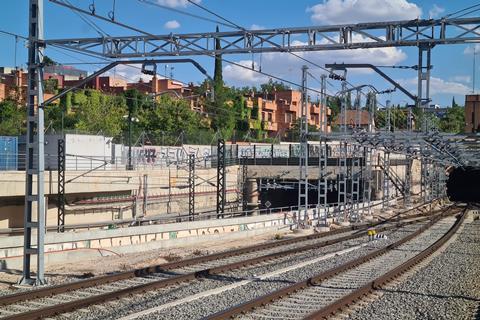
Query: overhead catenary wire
pixel 92 24
pixel 156 4
pixel 272 43
pixel 223 59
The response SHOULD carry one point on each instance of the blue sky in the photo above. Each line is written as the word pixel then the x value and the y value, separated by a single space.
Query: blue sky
pixel 451 74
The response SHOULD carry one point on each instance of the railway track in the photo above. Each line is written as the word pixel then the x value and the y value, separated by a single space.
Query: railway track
pixel 328 292
pixel 54 300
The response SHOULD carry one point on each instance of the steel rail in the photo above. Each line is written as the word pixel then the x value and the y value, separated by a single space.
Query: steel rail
pixel 79 303
pixel 286 291
pixel 381 281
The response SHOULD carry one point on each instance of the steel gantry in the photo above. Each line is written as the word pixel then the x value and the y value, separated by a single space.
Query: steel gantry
pixel 424 34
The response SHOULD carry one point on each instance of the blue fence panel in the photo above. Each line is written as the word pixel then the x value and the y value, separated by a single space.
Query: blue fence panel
pixel 8 153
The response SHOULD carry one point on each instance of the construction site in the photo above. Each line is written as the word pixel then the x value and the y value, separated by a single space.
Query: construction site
pixel 317 204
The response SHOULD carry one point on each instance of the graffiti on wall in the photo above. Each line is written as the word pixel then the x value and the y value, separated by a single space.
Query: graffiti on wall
pixel 166 155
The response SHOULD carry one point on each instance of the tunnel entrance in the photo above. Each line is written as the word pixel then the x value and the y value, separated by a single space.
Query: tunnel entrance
pixel 464 185
pixel 285 193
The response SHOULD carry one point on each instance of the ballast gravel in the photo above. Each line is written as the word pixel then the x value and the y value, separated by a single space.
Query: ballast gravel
pixel 446 288
pixel 197 309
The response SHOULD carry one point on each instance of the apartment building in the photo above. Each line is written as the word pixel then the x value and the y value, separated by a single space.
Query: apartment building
pixel 354 118
pixel 280 110
pixel 13 85
pixel 472 113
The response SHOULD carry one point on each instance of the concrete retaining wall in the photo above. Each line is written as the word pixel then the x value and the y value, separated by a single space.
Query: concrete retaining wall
pixel 73 246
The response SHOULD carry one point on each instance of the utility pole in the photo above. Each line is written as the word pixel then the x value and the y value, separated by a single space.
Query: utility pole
pixel 424 76
pixel 474 66
pixel 129 165
pixel 35 140
pixel 342 162
pixel 303 155
pixel 389 115
pixel 322 187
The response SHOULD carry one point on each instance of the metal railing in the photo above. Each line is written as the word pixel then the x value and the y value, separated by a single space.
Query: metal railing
pixel 105 163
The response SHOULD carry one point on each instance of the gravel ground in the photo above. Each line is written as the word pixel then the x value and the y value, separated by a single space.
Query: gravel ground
pixel 446 288
pixel 67 272
pixel 207 305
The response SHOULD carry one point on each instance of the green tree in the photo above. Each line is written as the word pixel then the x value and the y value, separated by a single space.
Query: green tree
pixel 51 86
pixel 220 110
pixel 59 119
pixel 168 118
pixel 218 75
pixel 12 118
pixel 454 104
pixel 48 61
pixel 272 86
pixel 422 117
pixel 454 120
pixel 293 134
pixel 97 112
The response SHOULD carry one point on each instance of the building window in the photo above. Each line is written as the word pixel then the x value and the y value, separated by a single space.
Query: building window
pixel 288 117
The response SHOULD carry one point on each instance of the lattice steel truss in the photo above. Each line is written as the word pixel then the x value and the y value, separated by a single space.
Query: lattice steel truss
pixel 355 178
pixel 303 155
pixel 35 159
pixel 61 186
pixel 191 187
pixel 221 178
pixel 243 190
pixel 423 34
pixel 367 181
pixel 417 33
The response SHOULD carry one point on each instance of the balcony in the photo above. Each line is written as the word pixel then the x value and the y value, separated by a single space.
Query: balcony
pixel 269 105
pixel 314 109
pixel 289 107
pixel 270 126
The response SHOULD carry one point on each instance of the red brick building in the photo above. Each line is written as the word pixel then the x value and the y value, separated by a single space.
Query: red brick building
pixel 472 113
pixel 280 110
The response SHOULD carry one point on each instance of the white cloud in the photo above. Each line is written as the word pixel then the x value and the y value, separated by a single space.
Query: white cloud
pixel 288 66
pixel 175 3
pixel 471 49
pixel 461 78
pixel 353 11
pixel 129 73
pixel 256 27
pixel 435 11
pixel 438 86
pixel 243 76
pixel 172 24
